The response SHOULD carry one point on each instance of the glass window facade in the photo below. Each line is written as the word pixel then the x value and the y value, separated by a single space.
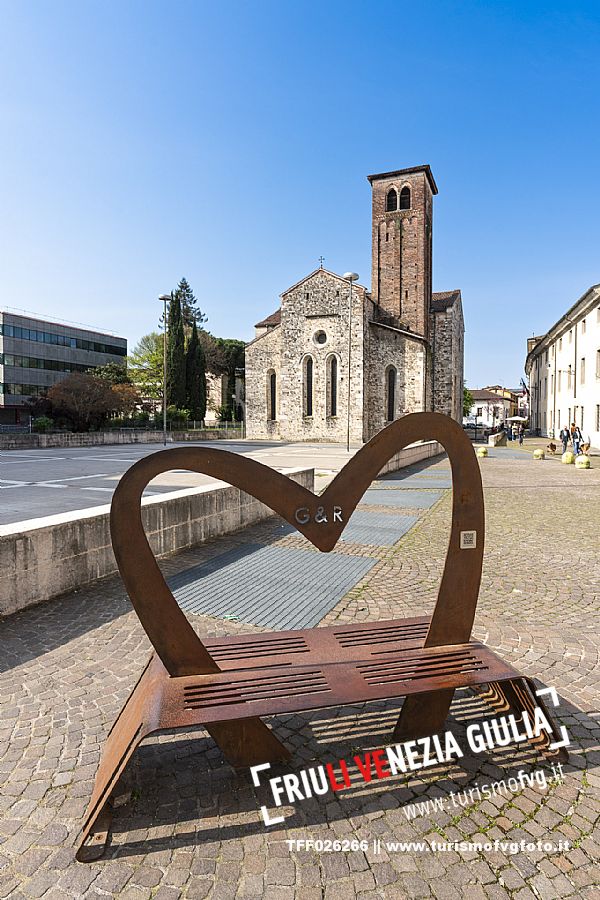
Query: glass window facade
pixel 59 340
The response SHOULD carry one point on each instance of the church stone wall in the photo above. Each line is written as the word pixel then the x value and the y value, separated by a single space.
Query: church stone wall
pixel 448 332
pixel 389 348
pixel 262 356
pixel 320 304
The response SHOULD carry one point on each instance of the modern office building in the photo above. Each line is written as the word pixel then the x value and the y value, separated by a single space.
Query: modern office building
pixel 563 367
pixel 35 354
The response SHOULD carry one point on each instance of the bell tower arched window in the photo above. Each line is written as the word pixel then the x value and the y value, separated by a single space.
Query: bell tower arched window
pixel 390 385
pixel 391 200
pixel 405 198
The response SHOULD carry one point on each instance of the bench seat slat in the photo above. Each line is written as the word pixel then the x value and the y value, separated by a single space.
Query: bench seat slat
pixel 250 692
pixel 318 645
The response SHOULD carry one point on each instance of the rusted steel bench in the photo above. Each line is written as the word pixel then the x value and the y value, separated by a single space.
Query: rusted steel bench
pixel 227 684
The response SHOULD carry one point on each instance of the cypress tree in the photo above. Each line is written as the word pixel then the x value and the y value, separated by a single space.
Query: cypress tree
pixel 195 377
pixel 175 356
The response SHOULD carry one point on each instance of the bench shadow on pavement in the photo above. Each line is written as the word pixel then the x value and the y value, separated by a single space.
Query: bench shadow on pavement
pixel 184 782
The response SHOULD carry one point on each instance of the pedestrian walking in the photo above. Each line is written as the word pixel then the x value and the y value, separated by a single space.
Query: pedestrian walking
pixel 565 437
pixel 577 439
pixel 521 434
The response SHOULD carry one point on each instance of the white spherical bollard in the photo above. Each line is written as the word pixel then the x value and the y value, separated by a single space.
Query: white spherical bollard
pixel 583 462
pixel 568 458
pixel 482 451
pixel 539 454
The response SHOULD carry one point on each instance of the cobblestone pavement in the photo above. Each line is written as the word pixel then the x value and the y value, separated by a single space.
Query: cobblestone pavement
pixel 186 825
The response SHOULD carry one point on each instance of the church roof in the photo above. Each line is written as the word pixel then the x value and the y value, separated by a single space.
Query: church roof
pixel 442 300
pixel 325 271
pixel 410 171
pixel 270 321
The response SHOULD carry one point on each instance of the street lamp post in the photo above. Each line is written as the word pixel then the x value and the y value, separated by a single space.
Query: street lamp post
pixel 351 277
pixel 165 298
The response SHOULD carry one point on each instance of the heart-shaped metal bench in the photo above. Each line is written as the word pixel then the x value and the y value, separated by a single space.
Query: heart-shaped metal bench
pixel 227 684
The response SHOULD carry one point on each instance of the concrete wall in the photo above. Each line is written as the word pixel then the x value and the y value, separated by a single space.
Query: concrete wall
pixel 97 438
pixel 412 454
pixel 58 554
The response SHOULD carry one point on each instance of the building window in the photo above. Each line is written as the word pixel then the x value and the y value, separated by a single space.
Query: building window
pixel 583 326
pixel 320 337
pixel 308 386
pixel 391 200
pixel 569 379
pixel 571 336
pixel 272 396
pixel 559 381
pixel 581 419
pixel 59 340
pixel 582 371
pixel 390 382
pixel 332 385
pixel 597 363
pixel 405 198
pixel 560 344
pixel 598 417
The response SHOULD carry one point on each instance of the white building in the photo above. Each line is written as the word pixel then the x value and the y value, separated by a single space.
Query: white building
pixel 489 408
pixel 564 371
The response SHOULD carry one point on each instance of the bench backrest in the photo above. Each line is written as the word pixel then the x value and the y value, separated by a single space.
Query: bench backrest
pixel 179 647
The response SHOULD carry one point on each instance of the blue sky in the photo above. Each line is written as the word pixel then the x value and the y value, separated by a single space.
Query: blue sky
pixel 229 143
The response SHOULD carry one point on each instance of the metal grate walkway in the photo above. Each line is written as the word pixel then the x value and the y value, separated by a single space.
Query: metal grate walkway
pixel 277 587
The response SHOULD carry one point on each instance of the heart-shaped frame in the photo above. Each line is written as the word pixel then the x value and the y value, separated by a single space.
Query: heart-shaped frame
pixel 175 641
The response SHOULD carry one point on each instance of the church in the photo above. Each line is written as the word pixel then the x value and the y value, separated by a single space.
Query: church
pixel 336 356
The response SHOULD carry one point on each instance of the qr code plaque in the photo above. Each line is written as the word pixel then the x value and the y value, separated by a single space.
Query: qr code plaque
pixel 468 540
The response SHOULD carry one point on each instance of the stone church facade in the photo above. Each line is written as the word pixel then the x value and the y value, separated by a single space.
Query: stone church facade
pixel 394 350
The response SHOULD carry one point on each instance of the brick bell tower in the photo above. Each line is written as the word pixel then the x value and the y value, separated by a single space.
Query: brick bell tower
pixel 402 245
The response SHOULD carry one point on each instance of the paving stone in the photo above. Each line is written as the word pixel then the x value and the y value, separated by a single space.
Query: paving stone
pixel 194 826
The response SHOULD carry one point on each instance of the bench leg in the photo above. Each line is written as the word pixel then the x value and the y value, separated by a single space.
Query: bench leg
pixel 519 695
pixel 247 742
pixel 129 729
pixel 423 714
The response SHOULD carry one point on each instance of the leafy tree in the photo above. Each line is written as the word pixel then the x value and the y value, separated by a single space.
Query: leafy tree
pixel 189 306
pixel 145 366
pixel 126 398
pixel 175 356
pixel 83 398
pixel 467 401
pixel 42 424
pixel 195 377
pixel 114 373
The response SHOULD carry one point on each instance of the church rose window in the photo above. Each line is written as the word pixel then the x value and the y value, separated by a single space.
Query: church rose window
pixel 320 337
pixel 405 198
pixel 391 393
pixel 391 200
